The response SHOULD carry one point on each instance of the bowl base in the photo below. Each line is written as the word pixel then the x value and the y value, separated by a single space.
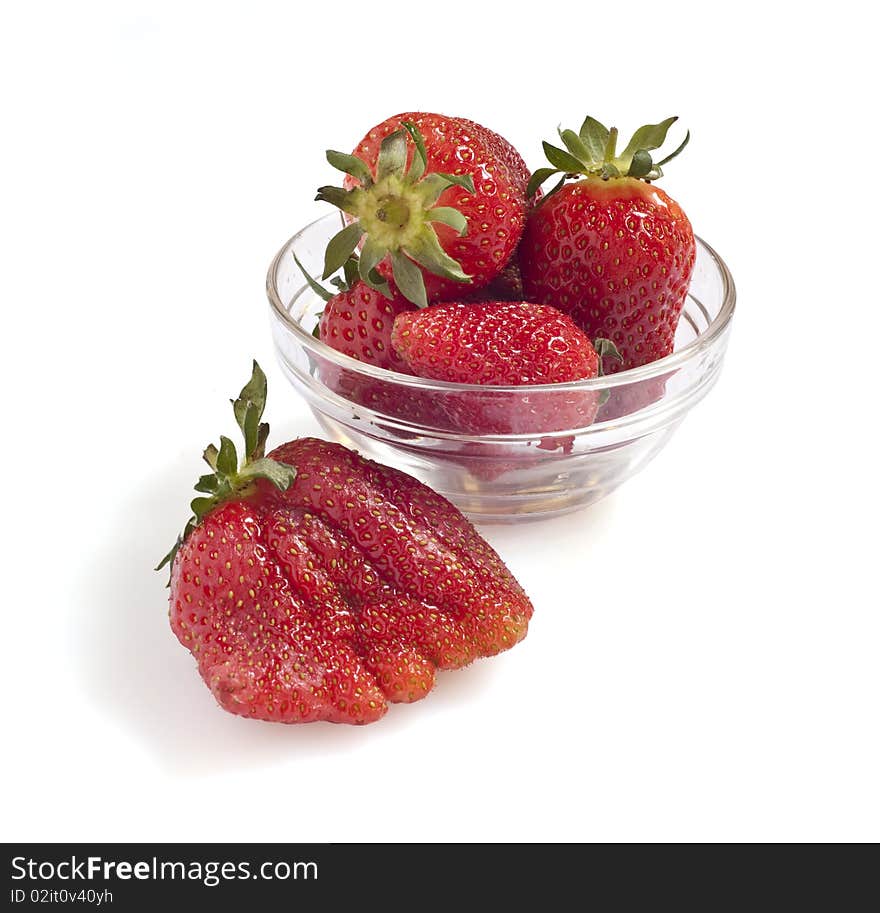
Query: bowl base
pixel 506 484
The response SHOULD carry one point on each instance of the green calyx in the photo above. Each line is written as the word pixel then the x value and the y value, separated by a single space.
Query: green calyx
pixel 350 275
pixel 592 151
pixel 605 348
pixel 228 479
pixel 393 212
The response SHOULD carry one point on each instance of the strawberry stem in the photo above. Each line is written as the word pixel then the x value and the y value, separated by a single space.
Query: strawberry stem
pixel 592 152
pixel 229 479
pixel 611 146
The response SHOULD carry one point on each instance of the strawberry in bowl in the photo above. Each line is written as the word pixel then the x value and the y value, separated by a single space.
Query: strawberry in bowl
pixel 501 343
pixel 469 405
pixel 612 249
pixel 434 202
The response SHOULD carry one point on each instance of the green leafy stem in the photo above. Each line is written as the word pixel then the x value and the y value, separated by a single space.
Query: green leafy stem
pixel 592 151
pixel 229 479
pixel 393 213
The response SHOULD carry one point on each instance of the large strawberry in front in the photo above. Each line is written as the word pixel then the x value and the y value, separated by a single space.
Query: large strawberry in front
pixel 312 584
pixel 612 249
pixel 436 202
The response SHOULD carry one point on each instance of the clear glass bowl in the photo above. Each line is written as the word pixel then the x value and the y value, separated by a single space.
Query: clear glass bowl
pixel 499 453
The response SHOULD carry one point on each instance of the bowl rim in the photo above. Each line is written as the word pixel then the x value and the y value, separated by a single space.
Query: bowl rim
pixel 669 363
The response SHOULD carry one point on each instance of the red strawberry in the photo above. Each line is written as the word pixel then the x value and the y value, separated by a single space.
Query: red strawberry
pixel 435 202
pixel 357 319
pixel 504 151
pixel 500 343
pixel 612 250
pixel 358 322
pixel 495 343
pixel 313 584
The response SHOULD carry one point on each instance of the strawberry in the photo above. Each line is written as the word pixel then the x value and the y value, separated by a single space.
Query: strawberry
pixel 357 320
pixel 499 147
pixel 312 584
pixel 434 202
pixel 502 343
pixel 612 250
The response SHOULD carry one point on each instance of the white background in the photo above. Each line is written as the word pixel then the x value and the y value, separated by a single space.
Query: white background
pixel 703 660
